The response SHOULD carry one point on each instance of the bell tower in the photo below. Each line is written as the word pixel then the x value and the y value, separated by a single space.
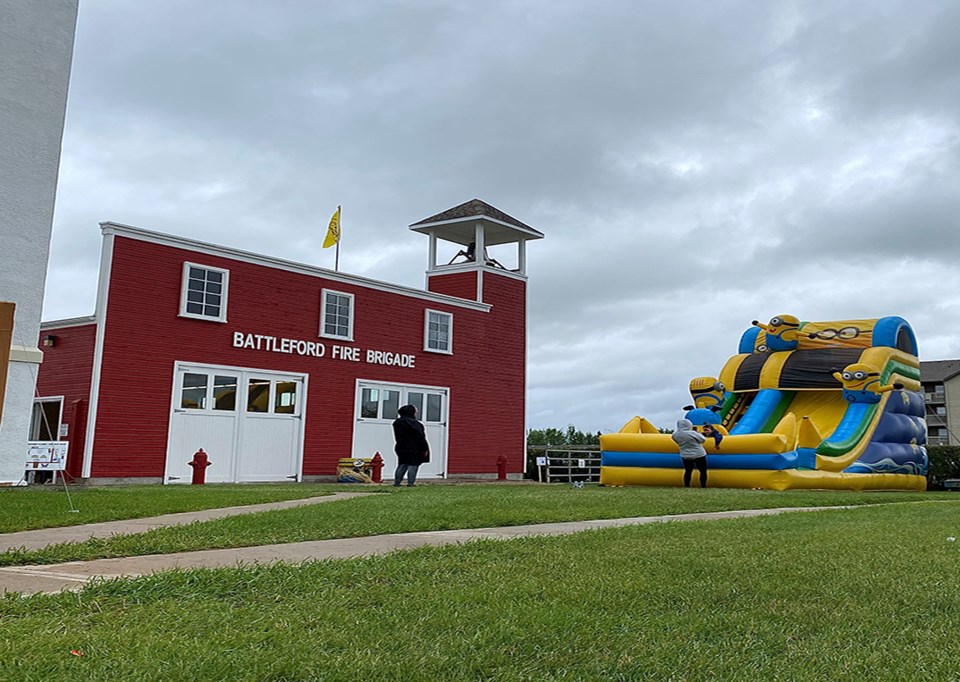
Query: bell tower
pixel 475 226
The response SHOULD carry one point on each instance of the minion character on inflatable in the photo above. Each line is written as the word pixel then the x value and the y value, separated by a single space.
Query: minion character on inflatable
pixel 782 332
pixel 708 395
pixel 706 392
pixel 861 383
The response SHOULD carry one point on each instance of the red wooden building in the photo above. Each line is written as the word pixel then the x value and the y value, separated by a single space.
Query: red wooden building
pixel 278 369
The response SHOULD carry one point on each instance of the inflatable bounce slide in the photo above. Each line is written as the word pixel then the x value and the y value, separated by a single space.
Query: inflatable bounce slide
pixel 801 405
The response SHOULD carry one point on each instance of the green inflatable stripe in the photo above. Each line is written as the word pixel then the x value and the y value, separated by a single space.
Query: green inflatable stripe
pixel 728 403
pixel 900 368
pixel 846 445
pixel 786 397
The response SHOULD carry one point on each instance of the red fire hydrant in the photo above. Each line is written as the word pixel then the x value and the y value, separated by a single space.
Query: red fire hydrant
pixel 501 468
pixel 376 468
pixel 199 464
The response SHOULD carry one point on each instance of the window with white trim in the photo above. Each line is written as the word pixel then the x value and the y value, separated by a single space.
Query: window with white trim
pixel 336 315
pixel 438 332
pixel 379 403
pixel 204 292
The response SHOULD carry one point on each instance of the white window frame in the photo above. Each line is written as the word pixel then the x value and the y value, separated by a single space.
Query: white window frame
pixel 426 332
pixel 381 389
pixel 225 288
pixel 55 430
pixel 323 315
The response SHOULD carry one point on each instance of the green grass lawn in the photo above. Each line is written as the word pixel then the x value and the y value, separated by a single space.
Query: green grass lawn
pixel 863 594
pixel 47 507
pixel 443 507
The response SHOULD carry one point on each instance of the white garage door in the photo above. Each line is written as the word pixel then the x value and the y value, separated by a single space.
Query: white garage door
pixel 375 409
pixel 249 422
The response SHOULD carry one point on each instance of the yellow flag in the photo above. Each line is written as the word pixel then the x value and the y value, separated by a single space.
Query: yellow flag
pixel 333 232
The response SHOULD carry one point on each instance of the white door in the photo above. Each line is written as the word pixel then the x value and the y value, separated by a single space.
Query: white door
pixel 247 421
pixel 270 429
pixel 204 417
pixel 376 408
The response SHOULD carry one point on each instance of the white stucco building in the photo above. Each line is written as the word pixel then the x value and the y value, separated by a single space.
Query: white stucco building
pixel 36 50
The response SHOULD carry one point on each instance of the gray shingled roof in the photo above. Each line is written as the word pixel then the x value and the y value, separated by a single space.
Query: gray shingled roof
pixel 473 209
pixel 939 370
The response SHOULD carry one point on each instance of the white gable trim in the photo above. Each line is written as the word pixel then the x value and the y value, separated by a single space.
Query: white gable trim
pixel 110 228
pixel 68 322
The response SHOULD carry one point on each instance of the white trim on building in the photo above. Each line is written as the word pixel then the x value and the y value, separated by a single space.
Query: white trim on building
pixel 111 228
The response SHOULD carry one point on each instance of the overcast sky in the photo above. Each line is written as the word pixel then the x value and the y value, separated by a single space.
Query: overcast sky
pixel 693 165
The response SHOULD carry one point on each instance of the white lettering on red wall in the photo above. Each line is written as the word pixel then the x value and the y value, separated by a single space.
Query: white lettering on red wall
pixel 379 357
pixel 275 344
pixel 278 345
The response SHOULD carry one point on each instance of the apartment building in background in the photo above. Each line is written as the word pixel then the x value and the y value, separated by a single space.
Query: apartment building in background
pixel 941 389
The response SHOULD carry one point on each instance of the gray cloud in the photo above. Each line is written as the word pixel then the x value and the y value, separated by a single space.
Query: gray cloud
pixel 693 165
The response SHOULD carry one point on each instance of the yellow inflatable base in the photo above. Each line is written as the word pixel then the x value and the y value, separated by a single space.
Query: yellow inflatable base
pixel 789 479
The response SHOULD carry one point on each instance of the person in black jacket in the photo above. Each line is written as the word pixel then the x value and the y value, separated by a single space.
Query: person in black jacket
pixel 411 445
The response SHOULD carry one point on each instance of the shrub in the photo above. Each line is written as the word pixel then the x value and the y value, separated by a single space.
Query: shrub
pixel 944 464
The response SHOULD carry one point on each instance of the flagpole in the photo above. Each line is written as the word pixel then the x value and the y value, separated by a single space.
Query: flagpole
pixel 336 262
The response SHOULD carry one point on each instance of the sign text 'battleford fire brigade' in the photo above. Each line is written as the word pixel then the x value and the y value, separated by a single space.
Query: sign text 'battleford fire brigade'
pixel 318 350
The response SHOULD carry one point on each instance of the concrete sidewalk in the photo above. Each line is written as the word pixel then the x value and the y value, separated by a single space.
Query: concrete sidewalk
pixel 75 574
pixel 38 539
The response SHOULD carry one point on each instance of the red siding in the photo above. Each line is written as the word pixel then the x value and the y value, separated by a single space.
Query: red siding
pixel 459 284
pixel 144 336
pixel 487 415
pixel 66 370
